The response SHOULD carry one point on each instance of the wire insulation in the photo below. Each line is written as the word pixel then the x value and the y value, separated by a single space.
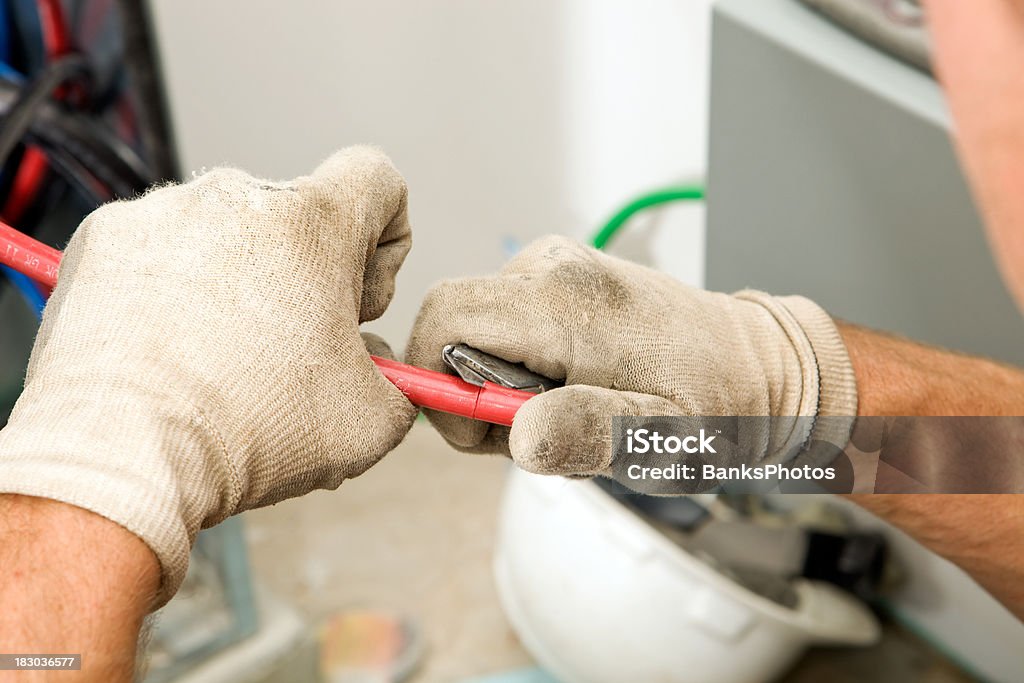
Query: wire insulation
pixel 426 388
pixel 19 118
pixel 27 288
pixel 28 256
pixel 56 38
pixel 89 143
pixel 615 223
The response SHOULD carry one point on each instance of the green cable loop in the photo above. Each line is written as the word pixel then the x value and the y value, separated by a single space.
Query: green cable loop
pixel 670 194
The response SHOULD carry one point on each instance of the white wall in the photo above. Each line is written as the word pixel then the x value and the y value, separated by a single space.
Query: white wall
pixel 636 108
pixel 509 120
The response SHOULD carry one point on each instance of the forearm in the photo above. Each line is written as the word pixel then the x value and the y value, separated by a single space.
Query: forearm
pixel 72 582
pixel 979 533
pixel 898 377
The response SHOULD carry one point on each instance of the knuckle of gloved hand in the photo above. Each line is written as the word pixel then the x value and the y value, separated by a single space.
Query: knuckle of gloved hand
pixel 386 178
pixel 544 253
pixel 223 178
pixel 586 283
pixel 106 225
pixel 354 160
pixel 560 265
pixel 450 301
pixel 229 191
pixel 106 216
pixel 439 300
pixel 369 203
pixel 361 166
pixel 425 337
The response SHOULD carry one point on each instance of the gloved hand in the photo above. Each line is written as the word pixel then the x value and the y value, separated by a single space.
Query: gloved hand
pixel 630 341
pixel 201 353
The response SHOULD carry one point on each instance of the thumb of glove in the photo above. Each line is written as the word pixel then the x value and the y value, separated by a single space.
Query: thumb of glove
pixel 568 431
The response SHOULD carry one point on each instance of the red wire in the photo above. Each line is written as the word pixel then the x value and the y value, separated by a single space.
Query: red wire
pixel 56 37
pixel 30 175
pixel 490 403
pixel 28 256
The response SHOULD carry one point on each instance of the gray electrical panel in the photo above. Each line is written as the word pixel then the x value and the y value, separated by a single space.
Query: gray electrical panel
pixel 831 174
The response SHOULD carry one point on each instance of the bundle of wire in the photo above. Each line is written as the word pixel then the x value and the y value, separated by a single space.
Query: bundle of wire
pixel 64 128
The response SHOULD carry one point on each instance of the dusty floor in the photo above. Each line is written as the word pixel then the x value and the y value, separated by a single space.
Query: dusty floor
pixel 414 533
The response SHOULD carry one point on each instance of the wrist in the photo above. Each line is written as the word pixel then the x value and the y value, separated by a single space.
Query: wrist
pixel 896 376
pixel 837 384
pixel 821 380
pixel 73 583
pixel 130 454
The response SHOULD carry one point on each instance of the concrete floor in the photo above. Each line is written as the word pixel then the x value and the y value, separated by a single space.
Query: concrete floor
pixel 414 533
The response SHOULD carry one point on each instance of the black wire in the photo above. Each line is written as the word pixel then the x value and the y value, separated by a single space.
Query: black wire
pixel 77 176
pixel 19 118
pixel 150 96
pixel 85 140
pixel 94 146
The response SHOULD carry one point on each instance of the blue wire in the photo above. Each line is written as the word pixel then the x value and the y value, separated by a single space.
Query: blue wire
pixel 5 33
pixel 24 284
pixel 28 290
pixel 25 23
pixel 8 73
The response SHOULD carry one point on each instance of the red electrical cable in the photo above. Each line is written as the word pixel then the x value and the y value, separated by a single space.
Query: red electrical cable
pixel 29 177
pixel 447 393
pixel 56 36
pixel 28 256
pixel 425 388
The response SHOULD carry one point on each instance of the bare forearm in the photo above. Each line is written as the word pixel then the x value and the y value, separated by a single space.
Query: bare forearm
pixel 979 533
pixel 72 582
pixel 899 377
pixel 896 376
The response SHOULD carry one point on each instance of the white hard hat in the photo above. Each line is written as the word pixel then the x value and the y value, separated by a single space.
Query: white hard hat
pixel 598 595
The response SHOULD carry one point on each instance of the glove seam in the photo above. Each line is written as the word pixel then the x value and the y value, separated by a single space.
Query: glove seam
pixel 803 348
pixel 837 397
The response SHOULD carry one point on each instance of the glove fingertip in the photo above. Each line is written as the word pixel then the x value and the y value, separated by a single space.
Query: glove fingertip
pixel 566 431
pixel 379 277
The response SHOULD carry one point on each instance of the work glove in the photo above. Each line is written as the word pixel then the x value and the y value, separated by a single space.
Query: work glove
pixel 630 341
pixel 201 354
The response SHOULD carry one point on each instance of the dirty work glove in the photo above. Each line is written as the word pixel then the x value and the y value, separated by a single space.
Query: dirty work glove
pixel 630 341
pixel 201 353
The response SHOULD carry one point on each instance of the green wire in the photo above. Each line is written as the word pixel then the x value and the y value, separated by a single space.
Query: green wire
pixel 670 194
